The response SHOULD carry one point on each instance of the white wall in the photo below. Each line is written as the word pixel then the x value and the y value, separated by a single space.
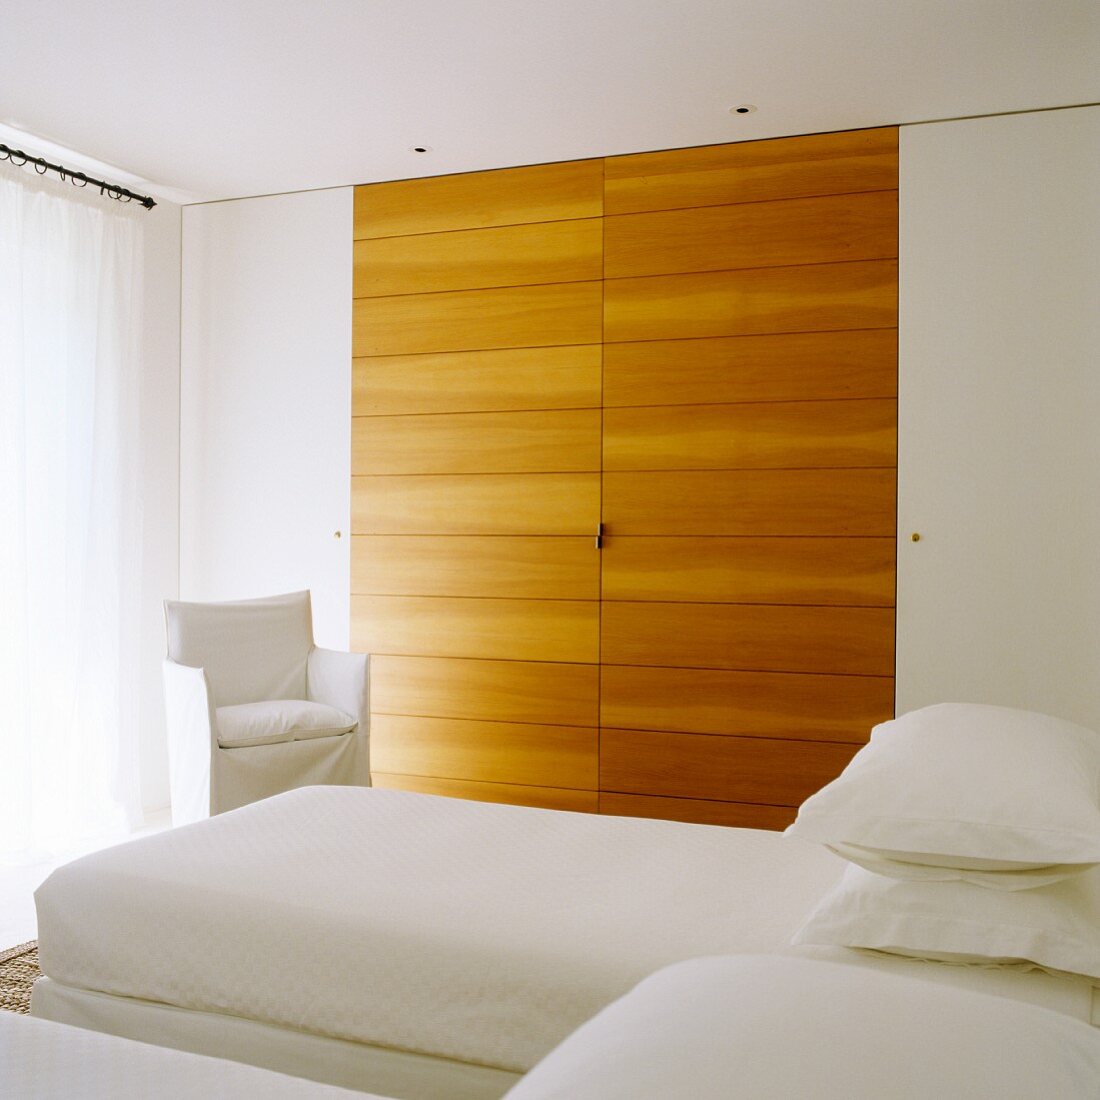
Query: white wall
pixel 999 451
pixel 160 483
pixel 265 417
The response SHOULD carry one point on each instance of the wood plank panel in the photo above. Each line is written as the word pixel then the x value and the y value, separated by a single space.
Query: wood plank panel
pixel 478 381
pixel 489 691
pixel 553 440
pixel 475 200
pixel 454 565
pixel 740 815
pixel 751 171
pixel 471 320
pixel 751 502
pixel 816 297
pixel 752 704
pixel 546 798
pixel 475 504
pixel 826 229
pixel 449 626
pixel 853 640
pixel 735 769
pixel 795 366
pixel 514 255
pixel 787 434
pixel 749 570
pixel 486 752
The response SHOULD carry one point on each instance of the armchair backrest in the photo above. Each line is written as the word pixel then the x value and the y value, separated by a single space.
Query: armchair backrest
pixel 252 650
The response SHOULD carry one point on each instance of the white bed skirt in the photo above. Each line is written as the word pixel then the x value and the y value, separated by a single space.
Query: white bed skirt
pixel 391 1073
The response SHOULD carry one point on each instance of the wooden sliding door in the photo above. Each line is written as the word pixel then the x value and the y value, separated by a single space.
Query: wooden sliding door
pixel 697 348
pixel 749 452
pixel 476 484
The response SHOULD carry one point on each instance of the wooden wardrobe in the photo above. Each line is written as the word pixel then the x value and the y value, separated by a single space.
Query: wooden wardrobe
pixel 695 349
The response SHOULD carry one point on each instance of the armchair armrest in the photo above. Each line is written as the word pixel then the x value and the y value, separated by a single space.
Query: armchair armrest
pixel 340 680
pixel 192 736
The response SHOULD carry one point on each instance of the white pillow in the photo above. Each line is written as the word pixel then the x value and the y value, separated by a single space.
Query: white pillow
pixel 766 1027
pixel 1054 928
pixel 988 795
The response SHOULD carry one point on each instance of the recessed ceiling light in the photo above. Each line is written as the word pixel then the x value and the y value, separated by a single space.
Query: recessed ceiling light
pixel 420 148
pixel 742 109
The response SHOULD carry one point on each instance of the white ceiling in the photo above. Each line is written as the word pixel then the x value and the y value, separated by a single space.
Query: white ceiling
pixel 207 99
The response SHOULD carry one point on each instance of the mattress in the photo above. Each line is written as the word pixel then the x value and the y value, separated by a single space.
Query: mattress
pixel 47 1061
pixel 475 932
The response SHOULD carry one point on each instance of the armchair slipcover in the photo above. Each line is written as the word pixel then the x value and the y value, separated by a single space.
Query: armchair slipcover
pixel 255 708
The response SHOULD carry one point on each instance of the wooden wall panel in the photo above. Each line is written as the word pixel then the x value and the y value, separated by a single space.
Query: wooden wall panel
pixel 697 348
pixel 852 640
pixel 501 629
pixel 751 502
pixel 529 568
pixel 478 381
pixel 751 436
pixel 793 366
pixel 841 571
pixel 476 200
pixel 471 320
pixel 815 297
pixel 820 230
pixel 752 704
pixel 514 255
pixel 752 171
pixel 547 798
pixel 547 441
pixel 490 691
pixel 741 815
pixel 486 752
pixel 476 504
pixel 735 769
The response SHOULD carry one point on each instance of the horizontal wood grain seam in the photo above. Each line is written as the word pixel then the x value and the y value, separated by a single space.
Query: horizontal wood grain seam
pixel 696 798
pixel 647 340
pixel 508 225
pixel 741 270
pixel 623 214
pixel 490 782
pixel 606 343
pixel 614 599
pixel 881 676
pixel 516 721
pixel 647 405
pixel 613 279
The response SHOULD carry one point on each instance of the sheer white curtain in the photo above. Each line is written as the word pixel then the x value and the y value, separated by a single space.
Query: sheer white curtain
pixel 70 517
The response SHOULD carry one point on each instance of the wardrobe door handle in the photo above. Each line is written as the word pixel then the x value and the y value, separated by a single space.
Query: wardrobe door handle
pixel 599 536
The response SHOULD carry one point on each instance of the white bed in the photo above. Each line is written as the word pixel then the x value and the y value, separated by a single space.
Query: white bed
pixel 42 1060
pixel 413 945
pixel 752 1026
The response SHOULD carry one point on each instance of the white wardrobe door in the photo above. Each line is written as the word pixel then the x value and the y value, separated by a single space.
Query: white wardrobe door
pixel 999 409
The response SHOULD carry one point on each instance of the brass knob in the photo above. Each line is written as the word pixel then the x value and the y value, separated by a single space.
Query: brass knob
pixel 336 535
pixel 915 536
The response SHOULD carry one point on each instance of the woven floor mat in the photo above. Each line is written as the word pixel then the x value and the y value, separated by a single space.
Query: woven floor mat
pixel 18 970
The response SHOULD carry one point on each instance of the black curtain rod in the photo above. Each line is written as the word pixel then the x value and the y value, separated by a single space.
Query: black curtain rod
pixel 77 179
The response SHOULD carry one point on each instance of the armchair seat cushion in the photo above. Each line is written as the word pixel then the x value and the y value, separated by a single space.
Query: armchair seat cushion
pixel 273 721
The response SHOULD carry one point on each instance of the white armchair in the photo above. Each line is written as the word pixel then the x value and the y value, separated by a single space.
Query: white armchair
pixel 255 708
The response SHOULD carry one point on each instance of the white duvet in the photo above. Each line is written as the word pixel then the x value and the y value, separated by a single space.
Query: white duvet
pixel 781 1028
pixel 475 932
pixel 40 1060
